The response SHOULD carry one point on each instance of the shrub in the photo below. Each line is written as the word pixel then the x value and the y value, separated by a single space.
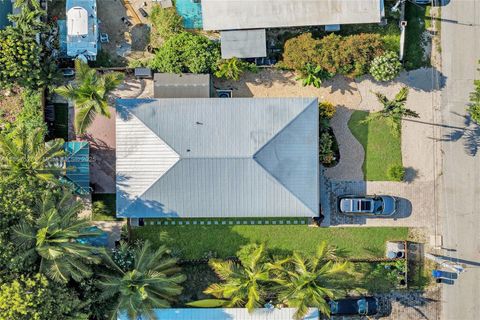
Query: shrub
pixel 325 148
pixel 326 109
pixel 386 67
pixel 474 108
pixel 300 51
pixel 328 52
pixel 312 75
pixel 396 172
pixel 233 68
pixel 357 51
pixel 186 52
pixel 167 22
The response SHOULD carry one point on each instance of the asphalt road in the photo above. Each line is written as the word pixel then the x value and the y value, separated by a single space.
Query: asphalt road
pixel 459 189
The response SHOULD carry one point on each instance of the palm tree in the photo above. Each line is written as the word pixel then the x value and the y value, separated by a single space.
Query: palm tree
pixel 26 154
pixel 53 240
pixel 89 94
pixel 304 282
pixel 152 282
pixel 393 110
pixel 244 283
pixel 31 4
pixel 28 20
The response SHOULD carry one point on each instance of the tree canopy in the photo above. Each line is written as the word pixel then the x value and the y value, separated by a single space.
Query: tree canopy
pixel 186 52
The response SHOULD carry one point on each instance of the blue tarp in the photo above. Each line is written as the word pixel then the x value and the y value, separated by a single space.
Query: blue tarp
pixel 78 165
pixel 5 9
pixel 191 12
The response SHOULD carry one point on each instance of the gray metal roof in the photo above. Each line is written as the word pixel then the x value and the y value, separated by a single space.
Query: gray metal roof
pixel 255 14
pixel 185 85
pixel 243 43
pixel 217 157
pixel 226 314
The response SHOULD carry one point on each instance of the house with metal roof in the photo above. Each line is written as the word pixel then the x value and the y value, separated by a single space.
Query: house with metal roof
pixel 183 85
pixel 82 29
pixel 206 157
pixel 248 19
pixel 226 314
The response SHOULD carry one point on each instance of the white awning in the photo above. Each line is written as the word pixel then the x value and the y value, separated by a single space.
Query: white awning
pixel 77 21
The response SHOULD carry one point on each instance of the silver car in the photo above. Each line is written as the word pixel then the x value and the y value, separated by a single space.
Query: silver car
pixel 367 205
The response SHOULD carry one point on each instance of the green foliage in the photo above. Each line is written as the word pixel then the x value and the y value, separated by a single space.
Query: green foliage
pixel 326 154
pixel 333 54
pixel 26 154
pixel 326 109
pixel 90 94
pixel 233 68
pixel 31 115
pixel 357 51
pixel 300 51
pixel 391 42
pixel 312 75
pixel 385 67
pixel 152 282
pixel 167 22
pixel 34 298
pixel 396 172
pixel 52 240
pixel 474 107
pixel 308 281
pixel 393 110
pixel 243 284
pixel 20 59
pixel 186 52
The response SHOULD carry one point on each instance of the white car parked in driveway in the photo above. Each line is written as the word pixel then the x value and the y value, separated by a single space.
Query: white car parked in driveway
pixel 367 205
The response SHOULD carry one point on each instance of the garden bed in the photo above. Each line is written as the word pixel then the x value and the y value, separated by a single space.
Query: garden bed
pixel 196 242
pixel 382 148
pixel 104 207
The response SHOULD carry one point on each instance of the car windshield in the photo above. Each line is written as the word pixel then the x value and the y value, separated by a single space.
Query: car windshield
pixel 365 205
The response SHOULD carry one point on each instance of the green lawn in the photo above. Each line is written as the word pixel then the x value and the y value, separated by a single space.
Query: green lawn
pixel 416 25
pixel 192 242
pixel 104 206
pixel 382 148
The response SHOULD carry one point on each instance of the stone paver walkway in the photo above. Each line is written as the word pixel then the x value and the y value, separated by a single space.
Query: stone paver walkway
pixel 351 151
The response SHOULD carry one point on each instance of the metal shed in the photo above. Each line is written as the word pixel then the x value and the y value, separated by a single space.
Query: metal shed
pixel 243 43
pixel 184 85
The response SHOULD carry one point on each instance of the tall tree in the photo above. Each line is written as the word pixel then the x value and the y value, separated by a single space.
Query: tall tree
pixel 474 107
pixel 153 281
pixel 89 93
pixel 304 282
pixel 26 154
pixel 52 240
pixel 393 110
pixel 244 284
pixel 29 20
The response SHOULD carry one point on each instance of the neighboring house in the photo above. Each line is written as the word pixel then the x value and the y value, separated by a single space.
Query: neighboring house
pixel 82 29
pixel 242 23
pixel 226 314
pixel 191 158
pixel 184 85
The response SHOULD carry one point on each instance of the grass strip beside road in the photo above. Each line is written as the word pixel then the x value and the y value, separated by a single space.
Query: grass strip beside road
pixel 195 242
pixel 382 148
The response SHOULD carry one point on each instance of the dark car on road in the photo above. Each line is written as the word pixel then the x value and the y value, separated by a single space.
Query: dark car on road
pixel 365 306
pixel 367 205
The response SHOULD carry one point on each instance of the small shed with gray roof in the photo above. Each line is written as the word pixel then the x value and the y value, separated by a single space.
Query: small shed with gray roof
pixel 184 85
pixel 193 158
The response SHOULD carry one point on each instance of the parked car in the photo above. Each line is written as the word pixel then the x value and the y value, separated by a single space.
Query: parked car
pixel 365 306
pixel 367 205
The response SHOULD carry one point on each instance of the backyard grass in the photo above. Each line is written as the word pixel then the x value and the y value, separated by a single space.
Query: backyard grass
pixel 417 17
pixel 195 242
pixel 382 148
pixel 104 206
